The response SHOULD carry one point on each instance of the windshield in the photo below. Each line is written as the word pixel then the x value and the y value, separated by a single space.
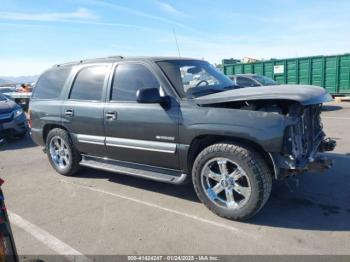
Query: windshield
pixel 194 78
pixel 265 81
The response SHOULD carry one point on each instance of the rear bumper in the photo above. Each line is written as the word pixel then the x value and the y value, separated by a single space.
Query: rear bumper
pixel 37 136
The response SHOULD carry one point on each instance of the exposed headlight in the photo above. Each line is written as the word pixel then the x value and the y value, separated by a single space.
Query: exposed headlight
pixel 17 112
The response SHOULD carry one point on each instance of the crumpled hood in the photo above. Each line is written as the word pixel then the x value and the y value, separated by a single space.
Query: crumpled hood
pixel 304 94
pixel 7 106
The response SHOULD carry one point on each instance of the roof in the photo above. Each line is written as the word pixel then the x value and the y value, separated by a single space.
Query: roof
pixel 119 58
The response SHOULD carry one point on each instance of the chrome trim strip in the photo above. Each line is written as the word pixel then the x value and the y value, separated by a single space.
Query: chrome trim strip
pixel 96 140
pixel 155 146
pixel 141 144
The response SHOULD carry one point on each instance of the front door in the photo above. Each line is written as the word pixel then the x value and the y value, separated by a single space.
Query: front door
pixel 135 132
pixel 83 109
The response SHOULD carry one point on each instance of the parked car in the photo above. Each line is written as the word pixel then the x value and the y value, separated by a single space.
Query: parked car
pixel 20 98
pixel 137 116
pixel 7 89
pixel 8 250
pixel 13 122
pixel 250 80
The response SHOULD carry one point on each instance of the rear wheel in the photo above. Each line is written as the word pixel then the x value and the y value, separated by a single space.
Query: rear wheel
pixel 232 181
pixel 62 155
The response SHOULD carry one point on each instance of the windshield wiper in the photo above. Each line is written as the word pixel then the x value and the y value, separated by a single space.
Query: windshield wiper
pixel 231 87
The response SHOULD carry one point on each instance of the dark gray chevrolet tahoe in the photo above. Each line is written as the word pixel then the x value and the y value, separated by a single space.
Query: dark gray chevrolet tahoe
pixel 172 119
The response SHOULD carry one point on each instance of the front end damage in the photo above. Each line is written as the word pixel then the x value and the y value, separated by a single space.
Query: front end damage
pixel 303 140
pixel 302 136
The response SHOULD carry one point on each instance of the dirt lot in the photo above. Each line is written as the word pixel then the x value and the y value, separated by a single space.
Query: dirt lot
pixel 104 213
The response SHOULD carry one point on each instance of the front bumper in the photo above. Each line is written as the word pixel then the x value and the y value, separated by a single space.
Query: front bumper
pixel 15 126
pixel 286 165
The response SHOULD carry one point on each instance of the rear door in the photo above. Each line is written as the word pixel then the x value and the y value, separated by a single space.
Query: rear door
pixel 83 109
pixel 135 132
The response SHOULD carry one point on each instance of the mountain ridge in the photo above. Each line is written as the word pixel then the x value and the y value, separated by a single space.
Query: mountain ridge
pixel 18 79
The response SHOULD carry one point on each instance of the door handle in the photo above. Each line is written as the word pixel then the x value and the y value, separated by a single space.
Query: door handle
pixel 111 115
pixel 69 112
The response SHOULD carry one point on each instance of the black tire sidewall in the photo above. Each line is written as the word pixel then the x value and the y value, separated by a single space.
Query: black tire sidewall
pixel 65 137
pixel 254 202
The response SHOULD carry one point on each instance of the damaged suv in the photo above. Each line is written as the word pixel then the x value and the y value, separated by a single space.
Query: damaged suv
pixel 175 120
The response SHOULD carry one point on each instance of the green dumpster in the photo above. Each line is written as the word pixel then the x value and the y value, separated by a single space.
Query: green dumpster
pixel 330 72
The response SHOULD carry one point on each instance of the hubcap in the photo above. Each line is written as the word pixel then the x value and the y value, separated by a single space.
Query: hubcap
pixel 59 152
pixel 225 183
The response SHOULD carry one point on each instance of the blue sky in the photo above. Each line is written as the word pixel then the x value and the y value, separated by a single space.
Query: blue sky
pixel 34 34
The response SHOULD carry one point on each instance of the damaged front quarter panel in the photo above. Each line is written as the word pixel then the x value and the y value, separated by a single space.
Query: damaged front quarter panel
pixel 285 121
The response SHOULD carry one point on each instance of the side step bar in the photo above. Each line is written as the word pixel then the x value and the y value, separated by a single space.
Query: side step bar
pixel 138 170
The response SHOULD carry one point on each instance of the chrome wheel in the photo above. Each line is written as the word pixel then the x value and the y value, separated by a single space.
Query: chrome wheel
pixel 59 152
pixel 225 183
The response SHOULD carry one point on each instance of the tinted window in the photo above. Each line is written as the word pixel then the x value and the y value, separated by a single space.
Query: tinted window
pixel 88 83
pixel 128 78
pixel 244 81
pixel 265 81
pixel 50 84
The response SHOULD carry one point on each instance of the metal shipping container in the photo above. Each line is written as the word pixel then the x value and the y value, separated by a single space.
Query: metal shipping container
pixel 331 72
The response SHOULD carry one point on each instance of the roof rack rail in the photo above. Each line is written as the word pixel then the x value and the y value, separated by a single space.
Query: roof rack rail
pixel 90 60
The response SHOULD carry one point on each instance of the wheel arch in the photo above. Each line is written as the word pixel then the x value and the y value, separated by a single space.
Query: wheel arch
pixel 203 141
pixel 48 127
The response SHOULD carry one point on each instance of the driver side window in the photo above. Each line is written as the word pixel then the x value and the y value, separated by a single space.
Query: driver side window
pixel 128 78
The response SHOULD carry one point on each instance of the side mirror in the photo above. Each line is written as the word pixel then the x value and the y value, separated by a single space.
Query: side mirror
pixel 149 95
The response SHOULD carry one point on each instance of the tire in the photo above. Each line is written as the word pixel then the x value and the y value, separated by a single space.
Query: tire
pixel 63 157
pixel 241 172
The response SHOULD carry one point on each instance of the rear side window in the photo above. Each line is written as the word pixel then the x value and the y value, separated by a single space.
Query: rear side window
pixel 88 84
pixel 50 83
pixel 244 81
pixel 128 78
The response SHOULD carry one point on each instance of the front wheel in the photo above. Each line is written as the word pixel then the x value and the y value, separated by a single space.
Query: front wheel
pixel 233 181
pixel 62 155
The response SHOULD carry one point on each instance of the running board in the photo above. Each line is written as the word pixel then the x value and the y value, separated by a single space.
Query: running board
pixel 144 171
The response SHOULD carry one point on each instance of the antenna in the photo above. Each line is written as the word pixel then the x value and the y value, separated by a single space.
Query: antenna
pixel 177 44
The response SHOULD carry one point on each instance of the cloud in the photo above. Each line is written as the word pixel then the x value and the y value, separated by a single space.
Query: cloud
pixel 108 24
pixel 79 14
pixel 168 8
pixel 139 13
